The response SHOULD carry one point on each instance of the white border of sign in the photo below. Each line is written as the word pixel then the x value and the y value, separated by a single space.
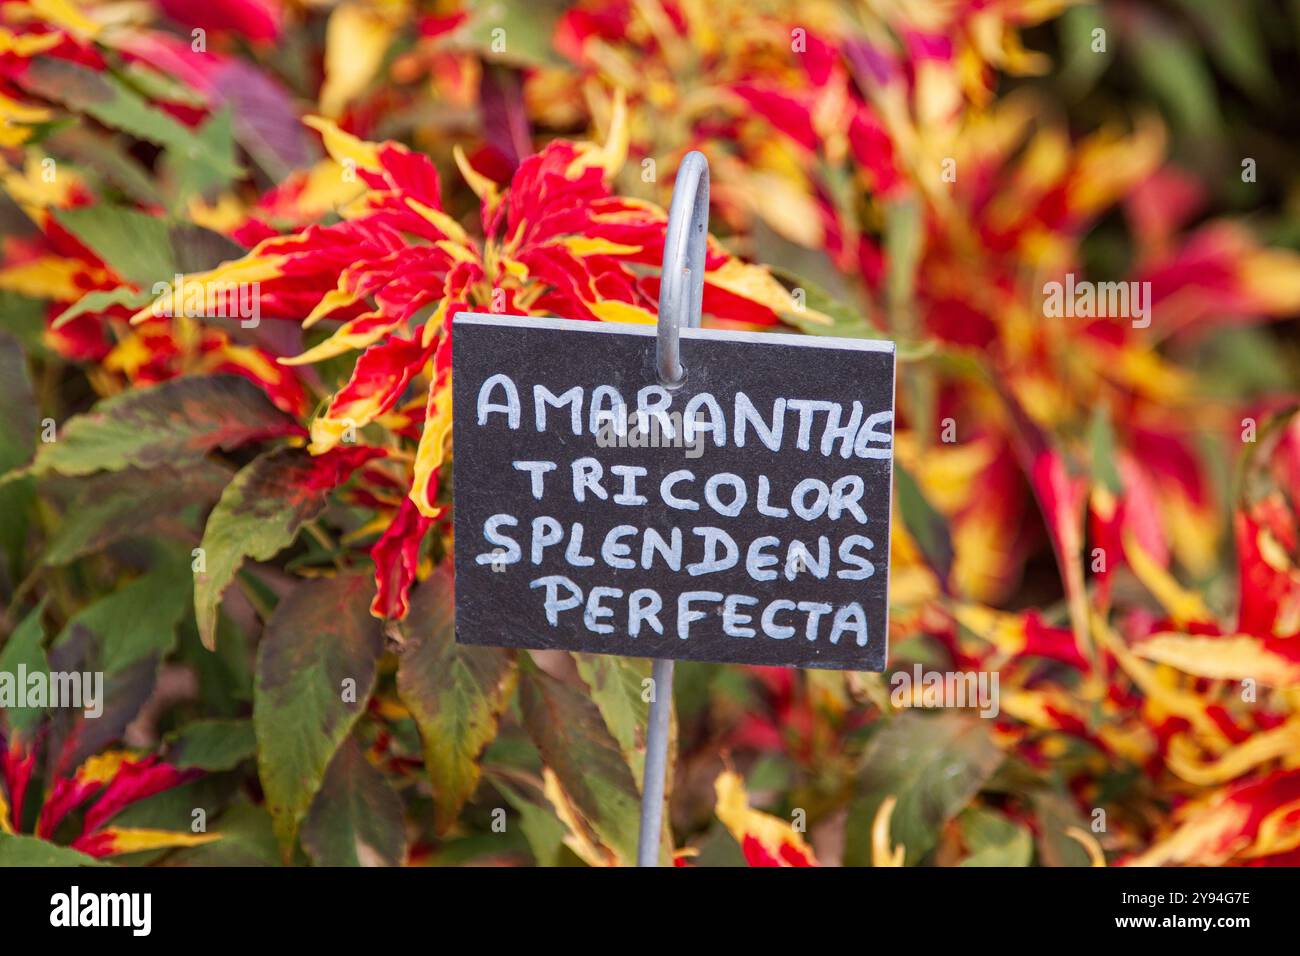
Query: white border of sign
pixel 650 331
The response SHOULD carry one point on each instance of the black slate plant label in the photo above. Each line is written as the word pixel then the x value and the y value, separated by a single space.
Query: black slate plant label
pixel 742 517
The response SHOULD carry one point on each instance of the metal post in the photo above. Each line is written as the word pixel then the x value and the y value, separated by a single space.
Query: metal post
pixel 656 764
pixel 681 295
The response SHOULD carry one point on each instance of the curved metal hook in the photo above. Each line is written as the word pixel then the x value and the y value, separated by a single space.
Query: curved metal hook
pixel 681 292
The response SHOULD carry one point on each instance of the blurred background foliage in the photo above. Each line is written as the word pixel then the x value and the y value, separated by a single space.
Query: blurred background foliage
pixel 1150 708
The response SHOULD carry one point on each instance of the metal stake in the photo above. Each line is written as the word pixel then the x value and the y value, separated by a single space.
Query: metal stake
pixel 681 296
pixel 656 764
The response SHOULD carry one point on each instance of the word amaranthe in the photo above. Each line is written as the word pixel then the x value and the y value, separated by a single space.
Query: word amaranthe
pixel 828 427
pixel 774 552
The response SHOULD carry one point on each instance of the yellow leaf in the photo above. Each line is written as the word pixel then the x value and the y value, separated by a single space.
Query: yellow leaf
pixel 136 840
pixel 772 833
pixel 341 342
pixel 1273 275
pixel 787 208
pixel 484 188
pixel 589 246
pixel 128 356
pixel 580 838
pixel 331 300
pixel 48 277
pixel 1183 606
pixel 432 450
pixel 356 40
pixel 223 216
pixel 1223 657
pixel 1277 832
pixel 1202 838
pixel 344 146
pixel 1241 759
pixel 441 221
pixel 65 14
pixel 252 268
pixel 1089 843
pixel 11 111
pixel 613 310
pixel 613 153
pixel 882 853
pixel 757 284
pixel 27 45
pixel 101 768
pixel 1174 701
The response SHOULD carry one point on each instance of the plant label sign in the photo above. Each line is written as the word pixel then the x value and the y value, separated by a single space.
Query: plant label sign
pixel 742 517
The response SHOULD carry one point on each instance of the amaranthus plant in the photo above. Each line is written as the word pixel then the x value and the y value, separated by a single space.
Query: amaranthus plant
pixel 235 234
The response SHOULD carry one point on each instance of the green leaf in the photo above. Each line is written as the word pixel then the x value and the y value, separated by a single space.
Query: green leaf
pixel 18 424
pixel 320 637
pixel 926 526
pixel 1080 64
pixel 357 819
pixel 1101 442
pixel 934 765
pixel 543 830
pixel 514 31
pixel 1169 62
pixel 719 848
pixel 212 745
pixel 199 249
pixel 24 650
pixel 848 322
pixel 23 317
pixel 189 179
pixel 124 636
pixel 616 685
pixel 455 692
pixel 105 165
pixel 1235 39
pixel 246 840
pixel 1056 813
pixel 137 621
pixel 995 840
pixel 172 423
pixel 1243 363
pixel 225 675
pixel 132 243
pixel 172 810
pixel 112 102
pixel 571 736
pixel 123 504
pixel 903 245
pixel 157 85
pixel 259 514
pixel 19 850
pixel 101 300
